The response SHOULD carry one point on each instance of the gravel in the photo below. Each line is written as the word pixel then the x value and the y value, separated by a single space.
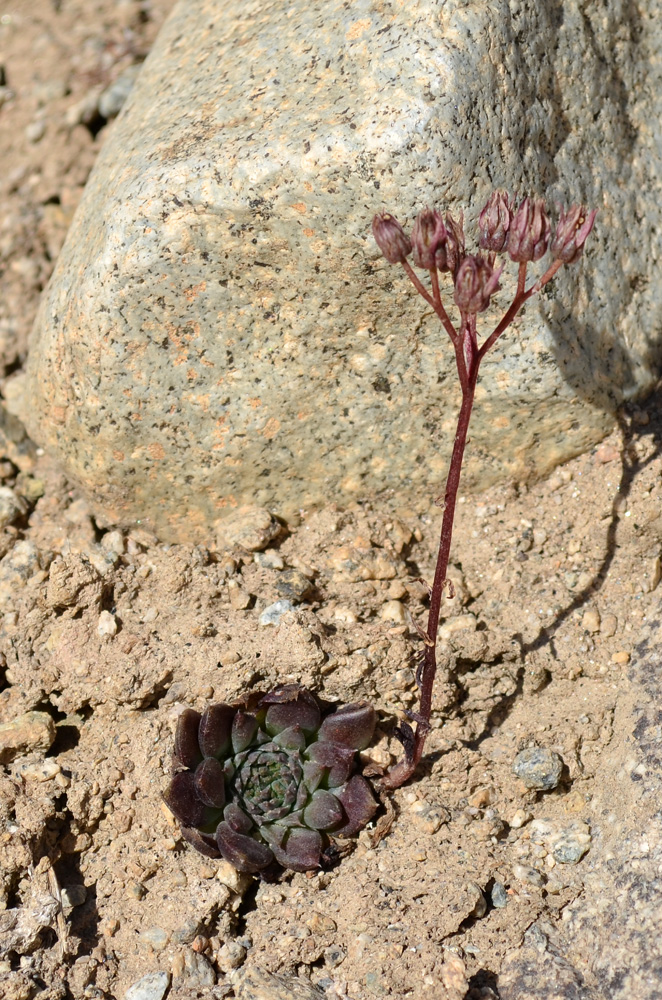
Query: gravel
pixel 538 768
pixel 151 987
pixel 273 614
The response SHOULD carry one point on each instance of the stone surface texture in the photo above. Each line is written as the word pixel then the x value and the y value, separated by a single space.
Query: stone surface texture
pixel 220 329
pixel 608 945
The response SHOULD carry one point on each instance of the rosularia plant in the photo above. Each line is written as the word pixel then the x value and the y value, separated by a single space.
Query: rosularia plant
pixel 271 785
pixel 437 244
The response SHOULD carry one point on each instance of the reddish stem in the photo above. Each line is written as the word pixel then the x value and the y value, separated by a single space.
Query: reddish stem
pixel 468 357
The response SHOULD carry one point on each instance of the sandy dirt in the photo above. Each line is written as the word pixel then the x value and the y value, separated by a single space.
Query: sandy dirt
pixel 106 635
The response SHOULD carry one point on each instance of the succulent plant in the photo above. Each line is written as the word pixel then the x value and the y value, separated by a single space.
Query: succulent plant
pixel 271 784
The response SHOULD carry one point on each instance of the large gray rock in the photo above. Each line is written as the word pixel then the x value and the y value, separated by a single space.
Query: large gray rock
pixel 608 946
pixel 220 329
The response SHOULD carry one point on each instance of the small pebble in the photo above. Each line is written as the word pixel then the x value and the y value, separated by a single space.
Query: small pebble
pixel 113 541
pixel 591 620
pixel 427 816
pixel 35 131
pixel 528 874
pixel 269 559
pixel 73 895
pixel 519 818
pixel 621 657
pixel 228 876
pixel 250 528
pixel 198 970
pixel 538 768
pixel 393 611
pixel 334 956
pixel 43 771
pixel 273 614
pixel 499 896
pixel 231 956
pixel 567 843
pixel 153 986
pixel 239 599
pixel 343 614
pixel 608 626
pixel 107 624
pixel 155 938
pixel 461 623
pixel 607 453
pixel 11 506
pixel 293 586
pixel 114 96
pixel 33 731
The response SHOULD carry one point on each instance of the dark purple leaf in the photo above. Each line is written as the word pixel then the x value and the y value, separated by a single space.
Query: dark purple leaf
pixel 182 799
pixel 210 783
pixel 301 851
pixel 323 811
pixel 244 853
pixel 302 711
pixel 350 726
pixel 187 749
pixel 201 841
pixel 339 760
pixel 291 738
pixel 237 819
pixel 359 805
pixel 244 728
pixel 215 730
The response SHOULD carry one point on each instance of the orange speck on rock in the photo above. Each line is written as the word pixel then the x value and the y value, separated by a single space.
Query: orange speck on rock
pixel 357 29
pixel 191 374
pixel 309 232
pixel 255 402
pixel 192 293
pixel 118 456
pixel 300 208
pixel 156 451
pixel 271 428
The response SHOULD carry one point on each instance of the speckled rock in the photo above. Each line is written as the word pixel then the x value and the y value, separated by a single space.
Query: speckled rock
pixel 220 329
pixel 31 732
pixel 608 946
pixel 539 768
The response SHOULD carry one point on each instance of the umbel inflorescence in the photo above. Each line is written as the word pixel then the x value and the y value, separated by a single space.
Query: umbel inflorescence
pixel 272 786
pixel 521 231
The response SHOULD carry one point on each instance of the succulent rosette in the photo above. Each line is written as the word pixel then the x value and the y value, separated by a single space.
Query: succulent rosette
pixel 272 784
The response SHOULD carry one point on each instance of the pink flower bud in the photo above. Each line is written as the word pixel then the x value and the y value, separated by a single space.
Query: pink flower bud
pixel 454 243
pixel 428 236
pixel 529 232
pixel 475 283
pixel 494 222
pixel 391 238
pixel 572 230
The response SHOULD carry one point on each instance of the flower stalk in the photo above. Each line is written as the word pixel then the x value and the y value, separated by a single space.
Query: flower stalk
pixel 523 232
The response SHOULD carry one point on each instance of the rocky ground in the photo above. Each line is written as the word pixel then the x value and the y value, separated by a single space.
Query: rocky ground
pixel 105 635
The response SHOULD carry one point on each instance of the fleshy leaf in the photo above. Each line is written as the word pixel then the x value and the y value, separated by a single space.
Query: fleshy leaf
pixel 215 730
pixel 302 711
pixel 291 738
pixel 323 811
pixel 201 841
pixel 244 728
pixel 237 819
pixel 301 851
pixel 339 760
pixel 187 749
pixel 182 799
pixel 243 853
pixel 313 774
pixel 359 805
pixel 350 726
pixel 210 783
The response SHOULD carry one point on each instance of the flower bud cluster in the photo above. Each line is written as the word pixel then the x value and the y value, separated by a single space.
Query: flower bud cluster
pixel 520 229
